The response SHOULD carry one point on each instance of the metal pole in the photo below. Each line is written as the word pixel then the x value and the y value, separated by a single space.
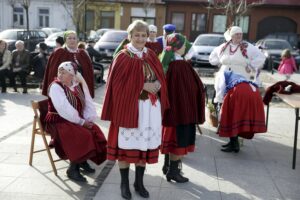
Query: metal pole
pixel 295 137
pixel 85 31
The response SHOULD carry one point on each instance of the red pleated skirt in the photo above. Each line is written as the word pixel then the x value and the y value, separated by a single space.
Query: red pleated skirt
pixel 128 155
pixel 77 143
pixel 170 145
pixel 242 113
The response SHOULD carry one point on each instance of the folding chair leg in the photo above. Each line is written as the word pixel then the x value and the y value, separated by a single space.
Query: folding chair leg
pixel 49 154
pixel 32 142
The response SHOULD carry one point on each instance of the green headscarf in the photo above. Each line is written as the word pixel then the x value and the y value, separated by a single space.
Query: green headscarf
pixel 174 42
pixel 67 33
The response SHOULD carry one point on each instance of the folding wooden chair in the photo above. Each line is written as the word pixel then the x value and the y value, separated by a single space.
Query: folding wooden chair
pixel 40 109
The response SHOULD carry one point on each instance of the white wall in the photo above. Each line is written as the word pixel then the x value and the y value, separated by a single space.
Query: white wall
pixel 59 17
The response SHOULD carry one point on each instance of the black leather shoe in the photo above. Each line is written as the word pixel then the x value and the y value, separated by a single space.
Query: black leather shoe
pixel 74 174
pixel 86 167
pixel 226 145
pixel 233 146
pixel 25 91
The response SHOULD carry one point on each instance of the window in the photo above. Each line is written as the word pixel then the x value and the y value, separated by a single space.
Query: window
pixel 89 20
pixel 107 19
pixel 18 16
pixel 145 19
pixel 147 15
pixel 198 22
pixel 243 22
pixel 43 17
pixel 178 21
pixel 219 23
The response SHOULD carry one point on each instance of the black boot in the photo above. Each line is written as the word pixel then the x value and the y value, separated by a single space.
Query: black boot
pixel 86 167
pixel 234 145
pixel 138 183
pixel 74 174
pixel 226 145
pixel 125 191
pixel 174 173
pixel 166 164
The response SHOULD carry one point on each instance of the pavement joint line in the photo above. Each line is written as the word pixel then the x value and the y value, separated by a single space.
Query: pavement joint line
pixel 14 132
pixel 98 182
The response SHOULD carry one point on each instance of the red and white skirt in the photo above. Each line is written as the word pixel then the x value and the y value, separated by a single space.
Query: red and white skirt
pixel 242 113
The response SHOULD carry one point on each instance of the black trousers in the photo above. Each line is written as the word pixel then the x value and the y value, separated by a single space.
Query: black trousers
pixel 22 74
pixel 3 74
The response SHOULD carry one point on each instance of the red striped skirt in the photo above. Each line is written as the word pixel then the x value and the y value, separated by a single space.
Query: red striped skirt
pixel 242 113
pixel 76 143
pixel 128 155
pixel 170 144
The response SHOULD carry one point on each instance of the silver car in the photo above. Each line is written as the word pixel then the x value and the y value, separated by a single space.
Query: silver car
pixel 203 46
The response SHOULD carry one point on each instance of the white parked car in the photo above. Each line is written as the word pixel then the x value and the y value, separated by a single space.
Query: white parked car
pixel 203 46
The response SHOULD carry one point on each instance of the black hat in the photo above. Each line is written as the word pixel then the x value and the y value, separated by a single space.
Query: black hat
pixel 60 40
pixel 43 46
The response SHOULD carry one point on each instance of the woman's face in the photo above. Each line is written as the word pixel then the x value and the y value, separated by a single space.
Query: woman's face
pixel 237 38
pixel 152 35
pixel 71 41
pixel 64 76
pixel 2 46
pixel 139 38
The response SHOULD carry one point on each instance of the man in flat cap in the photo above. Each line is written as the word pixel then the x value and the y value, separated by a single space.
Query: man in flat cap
pixel 168 29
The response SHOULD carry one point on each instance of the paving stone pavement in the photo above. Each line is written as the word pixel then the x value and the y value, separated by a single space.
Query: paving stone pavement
pixel 261 170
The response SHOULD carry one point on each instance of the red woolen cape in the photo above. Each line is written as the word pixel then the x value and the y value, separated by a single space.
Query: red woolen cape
pixel 62 55
pixel 186 95
pixel 155 46
pixel 124 85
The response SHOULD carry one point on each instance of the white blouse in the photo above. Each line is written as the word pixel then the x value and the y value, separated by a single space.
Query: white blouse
pixel 66 110
pixel 235 61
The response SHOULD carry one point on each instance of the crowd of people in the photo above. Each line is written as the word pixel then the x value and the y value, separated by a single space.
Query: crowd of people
pixel 154 99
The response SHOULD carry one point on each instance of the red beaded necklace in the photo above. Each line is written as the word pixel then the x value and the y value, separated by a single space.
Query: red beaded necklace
pixel 231 52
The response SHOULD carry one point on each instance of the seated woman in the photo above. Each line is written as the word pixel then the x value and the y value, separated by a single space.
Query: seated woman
pixel 70 121
pixel 242 111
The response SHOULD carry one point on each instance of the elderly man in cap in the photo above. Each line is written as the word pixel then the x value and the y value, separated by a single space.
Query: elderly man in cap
pixel 168 29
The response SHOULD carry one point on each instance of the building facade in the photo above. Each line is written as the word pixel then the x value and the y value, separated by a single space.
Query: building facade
pixel 46 13
pixel 262 17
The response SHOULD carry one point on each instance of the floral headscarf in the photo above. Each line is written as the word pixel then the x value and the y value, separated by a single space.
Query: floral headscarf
pixel 174 42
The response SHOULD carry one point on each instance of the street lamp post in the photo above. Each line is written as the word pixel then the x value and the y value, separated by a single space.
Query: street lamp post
pixel 26 4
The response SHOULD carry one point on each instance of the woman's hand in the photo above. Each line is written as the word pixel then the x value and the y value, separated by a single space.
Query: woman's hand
pixel 88 124
pixel 248 70
pixel 151 88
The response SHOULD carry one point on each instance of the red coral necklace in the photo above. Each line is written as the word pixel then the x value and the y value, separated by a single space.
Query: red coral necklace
pixel 231 52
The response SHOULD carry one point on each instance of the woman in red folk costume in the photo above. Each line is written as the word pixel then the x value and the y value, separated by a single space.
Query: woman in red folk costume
pixel 242 112
pixel 70 120
pixel 152 43
pixel 187 97
pixel 69 52
pixel 135 101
